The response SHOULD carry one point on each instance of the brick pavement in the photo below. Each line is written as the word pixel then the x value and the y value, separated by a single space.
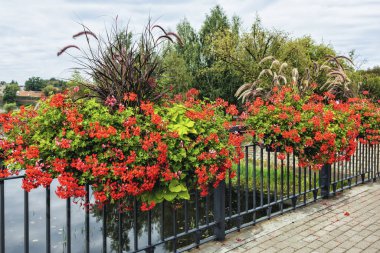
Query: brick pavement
pixel 349 222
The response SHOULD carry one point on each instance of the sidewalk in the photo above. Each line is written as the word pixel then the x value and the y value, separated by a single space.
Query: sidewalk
pixel 349 222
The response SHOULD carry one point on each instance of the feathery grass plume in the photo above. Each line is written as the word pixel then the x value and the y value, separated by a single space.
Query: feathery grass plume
pixel 267 59
pixel 179 40
pixel 337 83
pixel 65 48
pixel 268 78
pixel 85 33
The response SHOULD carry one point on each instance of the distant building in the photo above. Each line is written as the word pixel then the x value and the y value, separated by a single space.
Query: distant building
pixel 28 97
pixel 30 94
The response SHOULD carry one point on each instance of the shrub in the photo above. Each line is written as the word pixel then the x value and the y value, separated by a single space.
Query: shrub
pixel 8 107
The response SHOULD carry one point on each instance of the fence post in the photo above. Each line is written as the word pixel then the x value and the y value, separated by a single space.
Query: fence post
pixel 325 180
pixel 2 212
pixel 219 211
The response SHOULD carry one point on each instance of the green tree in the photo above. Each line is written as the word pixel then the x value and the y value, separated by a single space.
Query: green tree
pixel 190 49
pixel 214 77
pixel 50 90
pixel 368 80
pixel 35 84
pixel 60 84
pixel 10 92
pixel 176 75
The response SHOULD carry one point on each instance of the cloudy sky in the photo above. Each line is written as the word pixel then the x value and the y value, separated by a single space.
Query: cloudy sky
pixel 31 32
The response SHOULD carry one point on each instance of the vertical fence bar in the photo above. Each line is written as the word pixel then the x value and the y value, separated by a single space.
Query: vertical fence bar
pixel 162 222
pixel 68 224
pixel 287 175
pixel 343 177
pixel 309 170
pixel 362 164
pixel 373 163
pixel 120 228
pixel 104 228
pixel 294 197
pixel 378 159
pixel 186 215
pixel 299 181
pixel 48 234
pixel 261 177
pixel 26 222
pixel 304 184
pixel 275 176
pixel 268 184
pixel 87 219
pixel 282 186
pixel 239 219
pixel 367 155
pixel 356 163
pixel 197 233
pixel 229 194
pixel 150 249
pixel 254 181
pixel 350 172
pixel 207 209
pixel 335 176
pixel 174 221
pixel 246 177
pixel 315 191
pixel 219 211
pixel 2 219
pixel 325 180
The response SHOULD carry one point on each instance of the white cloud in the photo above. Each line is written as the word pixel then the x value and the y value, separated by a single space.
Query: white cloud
pixel 31 32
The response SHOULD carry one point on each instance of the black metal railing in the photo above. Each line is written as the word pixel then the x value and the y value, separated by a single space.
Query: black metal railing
pixel 264 186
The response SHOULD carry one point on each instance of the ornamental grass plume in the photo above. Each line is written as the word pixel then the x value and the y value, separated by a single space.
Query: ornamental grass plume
pixel 120 63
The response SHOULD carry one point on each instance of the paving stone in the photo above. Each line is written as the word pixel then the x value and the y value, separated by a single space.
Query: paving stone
pixel 363 244
pixel 331 244
pixel 304 250
pixel 372 238
pixel 371 250
pixel 354 250
pixel 254 250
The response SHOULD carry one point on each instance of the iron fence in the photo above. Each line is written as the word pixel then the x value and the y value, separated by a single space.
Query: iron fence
pixel 264 186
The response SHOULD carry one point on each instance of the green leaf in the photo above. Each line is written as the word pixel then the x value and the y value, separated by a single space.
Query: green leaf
pixel 184 195
pixel 189 124
pixel 159 195
pixel 183 187
pixel 174 186
pixel 169 196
